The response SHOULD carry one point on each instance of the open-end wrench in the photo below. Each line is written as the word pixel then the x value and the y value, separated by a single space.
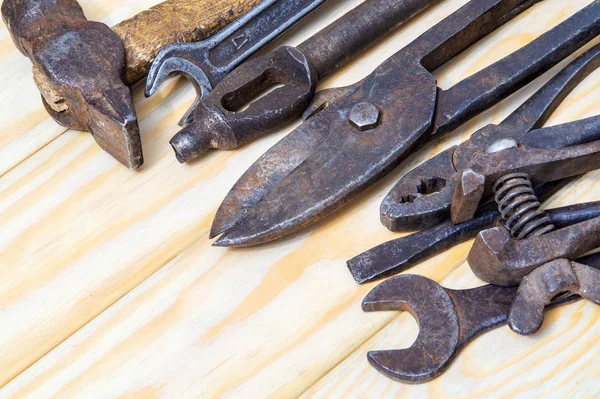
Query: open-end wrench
pixel 222 121
pixel 448 320
pixel 207 62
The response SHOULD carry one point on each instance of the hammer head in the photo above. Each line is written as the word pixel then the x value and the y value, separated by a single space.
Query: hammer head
pixel 78 67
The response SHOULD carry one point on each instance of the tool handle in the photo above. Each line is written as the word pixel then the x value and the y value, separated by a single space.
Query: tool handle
pixel 460 30
pixel 534 112
pixel 357 30
pixel 573 214
pixel 487 87
pixel 565 135
pixel 173 21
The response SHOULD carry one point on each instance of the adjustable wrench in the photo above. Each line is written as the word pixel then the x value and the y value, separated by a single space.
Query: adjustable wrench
pixel 401 254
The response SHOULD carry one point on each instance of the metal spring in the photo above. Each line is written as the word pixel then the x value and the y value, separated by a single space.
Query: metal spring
pixel 520 207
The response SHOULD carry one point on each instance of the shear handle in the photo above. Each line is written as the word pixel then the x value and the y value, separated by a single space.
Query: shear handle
pixel 494 83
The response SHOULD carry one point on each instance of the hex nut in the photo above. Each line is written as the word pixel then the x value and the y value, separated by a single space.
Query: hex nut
pixel 364 116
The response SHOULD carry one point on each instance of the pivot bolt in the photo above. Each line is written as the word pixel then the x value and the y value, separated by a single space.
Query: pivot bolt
pixel 364 116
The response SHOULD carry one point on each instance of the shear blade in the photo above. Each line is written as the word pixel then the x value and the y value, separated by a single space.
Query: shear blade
pixel 268 171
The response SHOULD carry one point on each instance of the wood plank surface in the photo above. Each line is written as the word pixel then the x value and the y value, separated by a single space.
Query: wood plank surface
pixel 111 287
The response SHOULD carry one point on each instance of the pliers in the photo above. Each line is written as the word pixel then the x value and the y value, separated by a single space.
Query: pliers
pixel 357 134
pixel 423 197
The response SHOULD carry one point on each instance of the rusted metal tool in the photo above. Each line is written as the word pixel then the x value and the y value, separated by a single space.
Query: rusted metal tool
pixel 222 120
pixel 500 259
pixel 423 197
pixel 448 320
pixel 541 286
pixel 83 68
pixel 340 151
pixel 401 254
pixel 206 63
pixel 510 168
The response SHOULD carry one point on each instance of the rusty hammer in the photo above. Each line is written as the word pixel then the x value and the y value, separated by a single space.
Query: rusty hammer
pixel 83 68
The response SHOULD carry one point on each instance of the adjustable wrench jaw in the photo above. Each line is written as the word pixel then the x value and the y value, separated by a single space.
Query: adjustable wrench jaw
pixel 234 112
pixel 545 283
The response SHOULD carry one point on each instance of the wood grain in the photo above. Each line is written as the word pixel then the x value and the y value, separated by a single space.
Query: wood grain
pixel 111 287
pixel 145 28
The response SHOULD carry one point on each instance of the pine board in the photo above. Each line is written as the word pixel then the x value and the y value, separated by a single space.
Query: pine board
pixel 111 287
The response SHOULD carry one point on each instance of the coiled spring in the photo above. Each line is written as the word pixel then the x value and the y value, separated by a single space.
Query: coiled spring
pixel 520 207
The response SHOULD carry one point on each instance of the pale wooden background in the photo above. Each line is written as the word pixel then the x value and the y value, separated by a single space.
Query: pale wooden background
pixel 110 287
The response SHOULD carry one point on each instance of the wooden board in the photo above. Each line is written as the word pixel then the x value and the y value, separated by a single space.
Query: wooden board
pixel 110 286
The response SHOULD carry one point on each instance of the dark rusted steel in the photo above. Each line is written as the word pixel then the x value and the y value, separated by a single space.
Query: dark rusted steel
pixel 423 197
pixel 206 63
pixel 222 121
pixel 499 259
pixel 327 161
pixel 448 320
pixel 543 284
pixel 401 254
pixel 538 155
pixel 77 65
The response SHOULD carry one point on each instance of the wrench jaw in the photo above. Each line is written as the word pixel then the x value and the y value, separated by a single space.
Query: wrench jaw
pixel 189 60
pixel 438 338
pixel 422 198
pixel 536 291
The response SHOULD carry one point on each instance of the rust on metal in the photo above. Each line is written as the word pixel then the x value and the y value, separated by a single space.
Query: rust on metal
pixel 327 162
pixel 401 254
pixel 541 286
pixel 544 155
pixel 423 197
pixel 80 66
pixel 498 258
pixel 77 65
pixel 448 320
pixel 238 110
pixel 207 62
